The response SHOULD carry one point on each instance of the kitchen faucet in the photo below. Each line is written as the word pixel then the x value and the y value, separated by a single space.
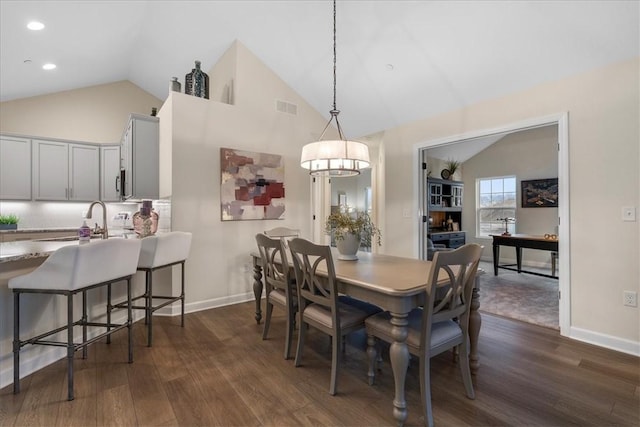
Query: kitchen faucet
pixel 104 231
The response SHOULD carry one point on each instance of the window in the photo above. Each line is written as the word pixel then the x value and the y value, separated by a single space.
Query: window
pixel 496 200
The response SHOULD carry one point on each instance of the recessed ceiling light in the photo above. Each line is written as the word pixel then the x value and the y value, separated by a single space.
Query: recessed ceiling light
pixel 49 66
pixel 27 61
pixel 35 25
pixel 389 67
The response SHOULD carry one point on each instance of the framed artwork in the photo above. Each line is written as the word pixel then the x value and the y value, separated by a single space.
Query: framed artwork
pixel 540 193
pixel 251 185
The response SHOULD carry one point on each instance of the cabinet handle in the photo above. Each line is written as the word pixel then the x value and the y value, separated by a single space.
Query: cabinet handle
pixel 117 187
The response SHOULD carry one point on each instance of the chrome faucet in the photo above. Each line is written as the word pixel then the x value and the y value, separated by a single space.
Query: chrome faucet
pixel 103 231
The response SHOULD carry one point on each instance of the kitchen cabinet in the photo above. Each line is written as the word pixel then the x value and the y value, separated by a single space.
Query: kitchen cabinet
pixel 110 173
pixel 140 158
pixel 64 171
pixel 15 168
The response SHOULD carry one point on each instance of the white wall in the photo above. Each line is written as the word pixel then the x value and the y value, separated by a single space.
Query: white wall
pixel 93 114
pixel 219 269
pixel 604 112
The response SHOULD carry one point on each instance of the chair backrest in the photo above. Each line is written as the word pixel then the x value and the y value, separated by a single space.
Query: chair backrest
pixel 282 232
pixel 78 266
pixel 165 248
pixel 275 265
pixel 314 287
pixel 454 273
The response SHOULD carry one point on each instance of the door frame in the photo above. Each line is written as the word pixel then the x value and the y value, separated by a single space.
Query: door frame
pixel 561 120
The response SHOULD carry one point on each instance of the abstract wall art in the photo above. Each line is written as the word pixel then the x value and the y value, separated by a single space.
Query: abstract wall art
pixel 251 185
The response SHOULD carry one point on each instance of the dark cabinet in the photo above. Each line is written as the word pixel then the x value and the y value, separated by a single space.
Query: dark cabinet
pixel 444 195
pixel 449 239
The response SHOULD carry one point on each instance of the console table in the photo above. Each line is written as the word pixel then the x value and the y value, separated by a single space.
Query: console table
pixel 520 241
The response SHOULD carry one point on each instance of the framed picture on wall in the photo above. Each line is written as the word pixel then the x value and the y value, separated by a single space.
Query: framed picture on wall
pixel 540 193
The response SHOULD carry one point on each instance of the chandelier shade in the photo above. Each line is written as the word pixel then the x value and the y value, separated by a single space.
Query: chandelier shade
pixel 338 158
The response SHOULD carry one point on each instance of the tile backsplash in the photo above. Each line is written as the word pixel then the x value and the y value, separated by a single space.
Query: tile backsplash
pixel 71 215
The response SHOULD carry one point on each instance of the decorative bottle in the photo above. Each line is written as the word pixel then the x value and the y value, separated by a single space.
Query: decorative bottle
pixel 196 83
pixel 84 233
pixel 145 221
pixel 175 85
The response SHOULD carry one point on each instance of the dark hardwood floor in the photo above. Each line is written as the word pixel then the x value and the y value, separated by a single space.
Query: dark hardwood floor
pixel 218 371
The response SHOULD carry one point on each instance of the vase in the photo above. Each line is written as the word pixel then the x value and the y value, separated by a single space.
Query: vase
pixel 196 83
pixel 348 247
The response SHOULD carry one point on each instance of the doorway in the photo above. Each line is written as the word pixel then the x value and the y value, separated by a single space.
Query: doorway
pixel 479 141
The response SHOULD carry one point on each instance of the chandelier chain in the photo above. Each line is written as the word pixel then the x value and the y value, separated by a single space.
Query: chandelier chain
pixel 334 55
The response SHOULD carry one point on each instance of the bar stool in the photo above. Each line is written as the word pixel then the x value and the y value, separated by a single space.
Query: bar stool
pixel 68 271
pixel 157 252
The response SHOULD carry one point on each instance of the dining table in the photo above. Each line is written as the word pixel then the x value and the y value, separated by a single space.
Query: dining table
pixel 396 284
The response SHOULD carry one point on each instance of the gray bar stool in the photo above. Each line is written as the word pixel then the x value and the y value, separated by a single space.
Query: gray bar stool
pixel 68 271
pixel 157 252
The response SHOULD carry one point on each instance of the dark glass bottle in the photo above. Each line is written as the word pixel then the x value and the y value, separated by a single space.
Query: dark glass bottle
pixel 196 83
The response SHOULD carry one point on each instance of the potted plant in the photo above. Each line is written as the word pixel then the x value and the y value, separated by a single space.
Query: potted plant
pixel 350 230
pixel 9 222
pixel 452 166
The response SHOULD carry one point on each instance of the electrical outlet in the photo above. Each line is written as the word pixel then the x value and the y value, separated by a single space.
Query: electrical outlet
pixel 630 298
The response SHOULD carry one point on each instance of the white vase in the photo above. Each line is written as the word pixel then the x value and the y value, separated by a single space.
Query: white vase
pixel 348 247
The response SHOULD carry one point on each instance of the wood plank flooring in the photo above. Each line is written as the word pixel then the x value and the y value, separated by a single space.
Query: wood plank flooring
pixel 217 371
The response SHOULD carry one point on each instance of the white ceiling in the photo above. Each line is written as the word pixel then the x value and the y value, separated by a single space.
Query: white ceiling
pixel 445 54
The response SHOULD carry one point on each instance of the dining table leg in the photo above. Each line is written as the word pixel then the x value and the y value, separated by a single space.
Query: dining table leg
pixel 257 288
pixel 399 355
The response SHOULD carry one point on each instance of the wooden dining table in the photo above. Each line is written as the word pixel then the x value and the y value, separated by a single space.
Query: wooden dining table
pixel 396 284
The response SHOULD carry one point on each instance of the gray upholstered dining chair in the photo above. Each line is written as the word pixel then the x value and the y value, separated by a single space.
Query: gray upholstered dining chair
pixel 432 248
pixel 443 322
pixel 278 285
pixel 319 303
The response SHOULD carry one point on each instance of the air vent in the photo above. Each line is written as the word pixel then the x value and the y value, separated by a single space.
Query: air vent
pixel 286 107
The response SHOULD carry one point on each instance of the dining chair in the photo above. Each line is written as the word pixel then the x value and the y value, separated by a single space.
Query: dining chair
pixel 319 303
pixel 442 323
pixel 278 285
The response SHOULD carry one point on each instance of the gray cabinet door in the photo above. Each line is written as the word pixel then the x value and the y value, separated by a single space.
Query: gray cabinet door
pixel 15 168
pixel 84 172
pixel 50 170
pixel 110 173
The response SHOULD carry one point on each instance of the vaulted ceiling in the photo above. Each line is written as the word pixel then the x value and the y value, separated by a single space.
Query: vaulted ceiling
pixel 398 61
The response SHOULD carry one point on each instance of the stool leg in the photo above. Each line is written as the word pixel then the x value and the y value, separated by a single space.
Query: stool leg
pixel 129 320
pixel 70 345
pixel 84 323
pixel 16 342
pixel 109 308
pixel 182 296
pixel 149 279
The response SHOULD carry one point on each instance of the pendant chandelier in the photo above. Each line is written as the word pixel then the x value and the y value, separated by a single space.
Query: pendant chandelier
pixel 337 158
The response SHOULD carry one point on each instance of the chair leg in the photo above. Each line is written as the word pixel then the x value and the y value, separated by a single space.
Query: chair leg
pixel 267 319
pixel 84 323
pixel 16 342
pixel 465 370
pixel 335 354
pixel 182 296
pixel 70 346
pixel 149 311
pixel 373 355
pixel 425 389
pixel 301 334
pixel 109 309
pixel 129 320
pixel 289 334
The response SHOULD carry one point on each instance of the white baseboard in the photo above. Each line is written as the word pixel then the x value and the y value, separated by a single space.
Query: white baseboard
pixel 192 307
pixel 607 341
